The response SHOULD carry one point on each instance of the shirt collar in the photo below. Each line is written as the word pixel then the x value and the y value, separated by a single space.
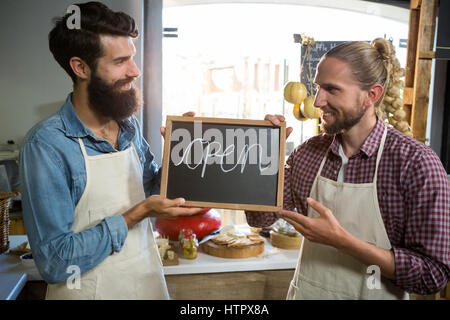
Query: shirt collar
pixel 370 145
pixel 72 123
pixel 75 127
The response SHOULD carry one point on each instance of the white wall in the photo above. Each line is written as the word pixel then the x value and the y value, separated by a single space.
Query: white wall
pixel 32 84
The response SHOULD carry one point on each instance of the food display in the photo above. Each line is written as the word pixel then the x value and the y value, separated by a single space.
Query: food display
pixel 237 240
pixel 168 256
pixel 234 245
pixel 284 236
pixel 21 249
pixel 188 243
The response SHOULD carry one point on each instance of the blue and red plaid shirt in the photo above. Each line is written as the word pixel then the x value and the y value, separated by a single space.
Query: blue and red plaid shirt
pixel 413 193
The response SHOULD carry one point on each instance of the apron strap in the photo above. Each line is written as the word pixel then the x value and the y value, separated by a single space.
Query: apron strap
pixel 322 164
pixel 380 151
pixel 135 151
pixel 83 149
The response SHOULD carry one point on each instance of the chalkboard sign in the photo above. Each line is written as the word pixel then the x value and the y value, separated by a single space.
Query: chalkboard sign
pixel 224 163
pixel 317 51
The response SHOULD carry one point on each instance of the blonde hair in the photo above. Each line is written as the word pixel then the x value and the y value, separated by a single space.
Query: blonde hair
pixel 370 63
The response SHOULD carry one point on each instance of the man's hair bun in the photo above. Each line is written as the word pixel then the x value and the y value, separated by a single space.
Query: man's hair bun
pixel 384 48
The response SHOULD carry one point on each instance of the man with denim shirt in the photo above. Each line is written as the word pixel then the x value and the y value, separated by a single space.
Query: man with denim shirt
pixel 89 182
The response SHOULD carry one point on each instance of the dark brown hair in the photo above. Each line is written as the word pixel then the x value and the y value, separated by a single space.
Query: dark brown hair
pixel 96 19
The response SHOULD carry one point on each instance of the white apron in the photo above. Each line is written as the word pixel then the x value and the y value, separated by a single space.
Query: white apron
pixel 113 185
pixel 325 273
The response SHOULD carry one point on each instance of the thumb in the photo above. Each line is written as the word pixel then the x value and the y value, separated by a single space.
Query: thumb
pixel 162 130
pixel 289 131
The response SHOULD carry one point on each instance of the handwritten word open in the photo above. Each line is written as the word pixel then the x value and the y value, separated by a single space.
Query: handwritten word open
pixel 209 148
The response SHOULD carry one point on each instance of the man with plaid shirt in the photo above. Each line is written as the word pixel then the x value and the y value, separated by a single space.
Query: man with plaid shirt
pixel 366 195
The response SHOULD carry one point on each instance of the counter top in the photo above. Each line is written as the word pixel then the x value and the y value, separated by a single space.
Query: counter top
pixel 271 259
pixel 10 263
pixel 11 285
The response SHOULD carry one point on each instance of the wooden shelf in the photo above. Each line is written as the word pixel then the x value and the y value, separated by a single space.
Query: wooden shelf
pixel 421 33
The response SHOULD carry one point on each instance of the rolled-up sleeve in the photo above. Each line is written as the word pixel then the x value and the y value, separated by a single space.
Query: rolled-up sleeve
pixel 118 230
pixel 48 211
pixel 423 262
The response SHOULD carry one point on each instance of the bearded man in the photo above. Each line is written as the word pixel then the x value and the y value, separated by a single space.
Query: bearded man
pixel 372 203
pixel 89 182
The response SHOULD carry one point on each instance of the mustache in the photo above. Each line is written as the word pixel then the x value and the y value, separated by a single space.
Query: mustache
pixel 329 109
pixel 122 82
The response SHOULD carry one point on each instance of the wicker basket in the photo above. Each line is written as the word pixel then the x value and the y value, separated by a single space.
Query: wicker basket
pixel 5 199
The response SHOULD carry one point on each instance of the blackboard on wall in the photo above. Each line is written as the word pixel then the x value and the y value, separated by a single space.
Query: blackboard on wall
pixel 224 163
pixel 317 51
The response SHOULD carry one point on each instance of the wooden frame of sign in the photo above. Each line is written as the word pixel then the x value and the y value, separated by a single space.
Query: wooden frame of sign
pixel 266 193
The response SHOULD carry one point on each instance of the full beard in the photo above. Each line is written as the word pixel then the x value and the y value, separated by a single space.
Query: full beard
pixel 109 101
pixel 343 122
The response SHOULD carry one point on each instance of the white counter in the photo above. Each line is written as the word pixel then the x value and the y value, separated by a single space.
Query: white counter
pixel 11 285
pixel 11 263
pixel 271 259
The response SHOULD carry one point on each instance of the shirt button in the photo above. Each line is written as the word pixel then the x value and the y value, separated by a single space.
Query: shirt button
pixel 335 171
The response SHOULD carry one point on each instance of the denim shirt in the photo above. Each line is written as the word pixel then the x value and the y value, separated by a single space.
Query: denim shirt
pixel 52 180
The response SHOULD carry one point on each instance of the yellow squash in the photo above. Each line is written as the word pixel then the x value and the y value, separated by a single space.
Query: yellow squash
pixel 295 92
pixel 298 114
pixel 308 109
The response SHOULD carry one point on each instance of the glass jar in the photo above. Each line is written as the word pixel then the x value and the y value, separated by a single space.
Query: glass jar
pixel 189 243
